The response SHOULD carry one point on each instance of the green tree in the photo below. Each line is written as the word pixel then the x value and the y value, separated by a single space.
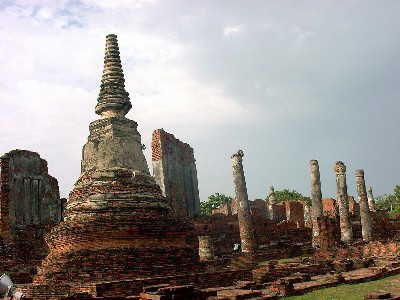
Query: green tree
pixel 214 202
pixel 287 194
pixel 390 202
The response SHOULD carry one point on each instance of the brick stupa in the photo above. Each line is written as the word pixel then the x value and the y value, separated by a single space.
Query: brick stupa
pixel 117 224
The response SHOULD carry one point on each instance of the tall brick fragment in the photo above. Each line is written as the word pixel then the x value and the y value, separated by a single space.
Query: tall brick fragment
pixel 316 202
pixel 29 196
pixel 174 168
pixel 346 232
pixel 245 222
pixel 294 212
pixel 366 223
pixel 371 200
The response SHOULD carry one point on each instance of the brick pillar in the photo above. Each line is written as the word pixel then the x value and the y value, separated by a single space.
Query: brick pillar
pixel 371 200
pixel 245 223
pixel 366 223
pixel 206 248
pixel 346 232
pixel 5 226
pixel 307 213
pixel 271 202
pixel 316 202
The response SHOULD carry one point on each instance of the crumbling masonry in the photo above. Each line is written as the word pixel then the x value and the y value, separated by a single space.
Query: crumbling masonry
pixel 117 223
pixel 29 196
pixel 175 172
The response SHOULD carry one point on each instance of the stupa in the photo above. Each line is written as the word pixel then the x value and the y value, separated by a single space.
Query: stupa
pixel 117 224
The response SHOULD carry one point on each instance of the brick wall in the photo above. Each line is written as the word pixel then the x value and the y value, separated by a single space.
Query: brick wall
pixel 295 212
pixel 30 206
pixel 175 172
pixel 29 196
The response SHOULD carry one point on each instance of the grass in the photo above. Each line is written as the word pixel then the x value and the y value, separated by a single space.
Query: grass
pixel 353 291
pixel 282 260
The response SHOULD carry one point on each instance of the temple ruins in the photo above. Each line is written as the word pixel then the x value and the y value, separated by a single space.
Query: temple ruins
pixel 126 234
pixel 30 198
pixel 175 172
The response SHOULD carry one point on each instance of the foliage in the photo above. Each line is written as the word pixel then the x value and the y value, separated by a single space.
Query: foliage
pixel 214 202
pixel 287 194
pixel 390 202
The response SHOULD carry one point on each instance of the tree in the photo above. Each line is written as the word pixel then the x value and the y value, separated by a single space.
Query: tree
pixel 390 202
pixel 287 194
pixel 214 202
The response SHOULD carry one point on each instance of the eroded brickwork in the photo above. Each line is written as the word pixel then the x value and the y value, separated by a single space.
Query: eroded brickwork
pixel 117 223
pixel 29 196
pixel 278 239
pixel 295 212
pixel 30 206
pixel 174 169
pixel 354 208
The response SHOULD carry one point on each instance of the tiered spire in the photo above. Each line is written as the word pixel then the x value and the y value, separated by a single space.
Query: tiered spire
pixel 113 99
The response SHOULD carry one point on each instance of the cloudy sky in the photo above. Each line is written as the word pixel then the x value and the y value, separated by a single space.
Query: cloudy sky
pixel 285 81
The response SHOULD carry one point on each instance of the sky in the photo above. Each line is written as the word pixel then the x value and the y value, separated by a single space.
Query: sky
pixel 284 81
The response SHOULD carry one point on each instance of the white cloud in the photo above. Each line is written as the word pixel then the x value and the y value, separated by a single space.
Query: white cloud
pixel 230 30
pixel 300 80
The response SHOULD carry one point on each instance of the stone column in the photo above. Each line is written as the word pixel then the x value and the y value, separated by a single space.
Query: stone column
pixel 371 200
pixel 271 202
pixel 366 223
pixel 346 232
pixel 307 212
pixel 316 202
pixel 206 248
pixel 248 243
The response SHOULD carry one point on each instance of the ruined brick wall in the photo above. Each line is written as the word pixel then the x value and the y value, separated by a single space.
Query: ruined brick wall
pixel 295 212
pixel 258 209
pixel 175 172
pixel 385 229
pixel 354 208
pixel 225 209
pixel 379 214
pixel 29 196
pixel 224 230
pixel 30 206
pixel 279 212
pixel 329 207
pixel 291 210
pixel 224 227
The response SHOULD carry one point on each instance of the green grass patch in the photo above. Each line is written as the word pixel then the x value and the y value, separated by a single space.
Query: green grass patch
pixel 353 291
pixel 283 260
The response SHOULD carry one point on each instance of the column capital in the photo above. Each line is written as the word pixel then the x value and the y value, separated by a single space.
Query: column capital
pixel 340 167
